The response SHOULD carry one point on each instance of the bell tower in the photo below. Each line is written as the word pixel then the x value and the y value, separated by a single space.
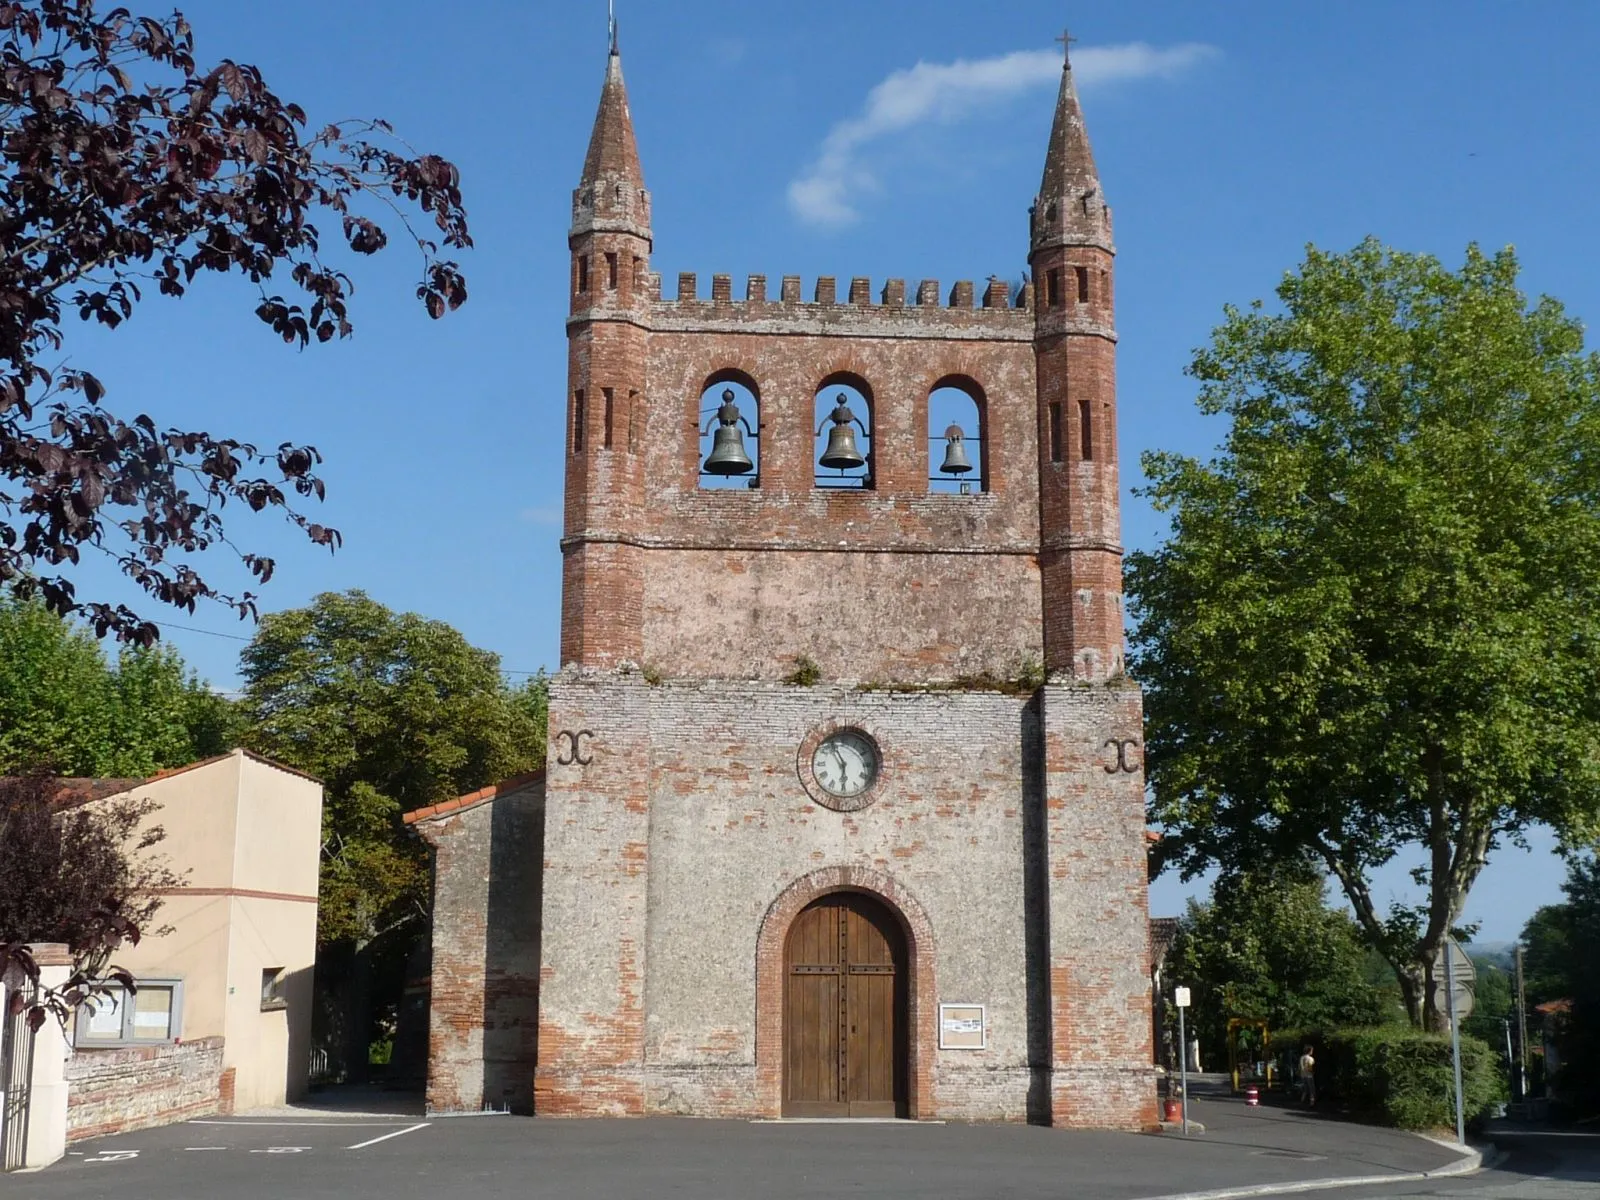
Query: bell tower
pixel 607 345
pixel 1080 552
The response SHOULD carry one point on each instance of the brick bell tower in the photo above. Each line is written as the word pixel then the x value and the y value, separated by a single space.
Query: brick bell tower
pixel 1080 552
pixel 811 838
pixel 607 343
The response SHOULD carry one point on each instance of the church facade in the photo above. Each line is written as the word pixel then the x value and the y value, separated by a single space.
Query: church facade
pixel 844 806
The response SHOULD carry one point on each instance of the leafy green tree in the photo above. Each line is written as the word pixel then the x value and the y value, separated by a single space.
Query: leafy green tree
pixel 1375 626
pixel 393 712
pixel 64 706
pixel 1548 954
pixel 1266 946
pixel 1491 1005
pixel 1572 930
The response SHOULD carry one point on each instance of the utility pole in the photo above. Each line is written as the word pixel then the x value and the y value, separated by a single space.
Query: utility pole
pixel 1519 1089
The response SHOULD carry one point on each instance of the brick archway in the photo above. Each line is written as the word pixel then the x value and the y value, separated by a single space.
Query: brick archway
pixel 922 1006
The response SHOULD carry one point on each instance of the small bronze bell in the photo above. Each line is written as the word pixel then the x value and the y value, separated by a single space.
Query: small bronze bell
pixel 842 453
pixel 956 461
pixel 728 455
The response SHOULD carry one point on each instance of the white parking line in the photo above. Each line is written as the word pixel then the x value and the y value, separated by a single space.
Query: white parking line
pixel 387 1136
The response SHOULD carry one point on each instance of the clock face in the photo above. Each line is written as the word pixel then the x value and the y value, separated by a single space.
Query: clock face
pixel 846 763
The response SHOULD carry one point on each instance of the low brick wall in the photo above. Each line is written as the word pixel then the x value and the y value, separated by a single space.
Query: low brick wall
pixel 114 1091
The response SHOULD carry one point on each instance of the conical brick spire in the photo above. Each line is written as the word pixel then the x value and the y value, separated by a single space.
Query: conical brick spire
pixel 1071 209
pixel 613 153
pixel 611 192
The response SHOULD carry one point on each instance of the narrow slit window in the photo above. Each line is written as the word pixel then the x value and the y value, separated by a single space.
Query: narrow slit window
pixel 609 413
pixel 577 422
pixel 1083 284
pixel 633 422
pixel 1085 431
pixel 583 273
pixel 1055 433
pixel 611 270
pixel 1052 288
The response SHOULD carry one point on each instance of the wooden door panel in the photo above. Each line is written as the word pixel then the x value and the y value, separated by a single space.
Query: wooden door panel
pixel 844 1005
pixel 870 1055
pixel 811 1074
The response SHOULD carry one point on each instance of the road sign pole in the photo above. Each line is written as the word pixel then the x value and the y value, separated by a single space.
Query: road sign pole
pixel 1180 1001
pixel 1183 1073
pixel 1455 1040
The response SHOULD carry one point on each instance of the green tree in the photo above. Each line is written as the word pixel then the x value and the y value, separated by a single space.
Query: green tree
pixel 1492 1003
pixel 392 712
pixel 1375 626
pixel 1548 954
pixel 1266 946
pixel 1578 1033
pixel 65 707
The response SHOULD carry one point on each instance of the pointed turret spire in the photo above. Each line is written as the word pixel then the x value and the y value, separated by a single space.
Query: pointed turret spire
pixel 613 153
pixel 1071 209
pixel 611 193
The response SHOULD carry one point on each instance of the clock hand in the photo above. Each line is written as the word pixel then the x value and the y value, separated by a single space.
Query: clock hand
pixel 839 758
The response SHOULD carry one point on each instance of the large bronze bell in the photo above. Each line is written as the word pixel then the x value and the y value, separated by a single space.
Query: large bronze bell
pixel 956 461
pixel 842 453
pixel 728 455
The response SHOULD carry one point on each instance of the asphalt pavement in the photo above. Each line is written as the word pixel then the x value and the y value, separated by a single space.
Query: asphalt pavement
pixel 1526 1163
pixel 312 1155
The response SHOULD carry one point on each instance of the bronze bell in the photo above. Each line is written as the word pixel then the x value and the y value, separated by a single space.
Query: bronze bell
pixel 842 452
pixel 956 461
pixel 727 455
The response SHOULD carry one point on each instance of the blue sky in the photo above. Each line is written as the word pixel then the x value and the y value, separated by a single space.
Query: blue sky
pixel 843 138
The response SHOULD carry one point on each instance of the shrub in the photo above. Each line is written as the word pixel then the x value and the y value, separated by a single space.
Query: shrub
pixel 806 673
pixel 1401 1076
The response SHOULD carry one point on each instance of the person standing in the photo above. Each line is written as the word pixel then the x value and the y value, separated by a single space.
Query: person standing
pixel 1308 1078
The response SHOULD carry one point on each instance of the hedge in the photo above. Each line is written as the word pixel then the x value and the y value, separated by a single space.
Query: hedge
pixel 1398 1075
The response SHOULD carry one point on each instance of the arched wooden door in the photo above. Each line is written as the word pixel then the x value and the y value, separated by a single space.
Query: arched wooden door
pixel 845 1032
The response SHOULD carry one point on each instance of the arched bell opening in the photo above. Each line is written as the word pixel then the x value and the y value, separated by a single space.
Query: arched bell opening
pixel 843 451
pixel 729 425
pixel 958 458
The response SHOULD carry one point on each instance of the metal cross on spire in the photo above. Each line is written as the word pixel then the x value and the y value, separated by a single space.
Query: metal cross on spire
pixel 611 23
pixel 1066 39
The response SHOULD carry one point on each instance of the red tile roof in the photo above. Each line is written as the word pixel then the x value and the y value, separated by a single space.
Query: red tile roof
pixel 447 808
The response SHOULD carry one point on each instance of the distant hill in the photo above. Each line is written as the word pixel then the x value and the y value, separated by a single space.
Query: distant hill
pixel 1496 953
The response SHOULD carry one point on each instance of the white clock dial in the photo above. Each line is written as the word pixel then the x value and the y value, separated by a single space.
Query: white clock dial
pixel 846 763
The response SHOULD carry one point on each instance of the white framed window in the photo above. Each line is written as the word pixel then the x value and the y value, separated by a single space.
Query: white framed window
pixel 152 1015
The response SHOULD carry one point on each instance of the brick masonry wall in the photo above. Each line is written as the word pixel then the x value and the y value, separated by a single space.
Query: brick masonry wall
pixel 140 1087
pixel 937 585
pixel 1099 922
pixel 484 1000
pixel 668 855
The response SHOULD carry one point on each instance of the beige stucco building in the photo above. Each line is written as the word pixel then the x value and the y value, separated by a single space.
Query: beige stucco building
pixel 236 959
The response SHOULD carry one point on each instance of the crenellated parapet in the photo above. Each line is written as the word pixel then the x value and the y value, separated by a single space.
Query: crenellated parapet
pixel 997 311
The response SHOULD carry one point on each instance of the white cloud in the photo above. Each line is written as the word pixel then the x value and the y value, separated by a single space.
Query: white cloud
pixel 550 515
pixel 946 92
